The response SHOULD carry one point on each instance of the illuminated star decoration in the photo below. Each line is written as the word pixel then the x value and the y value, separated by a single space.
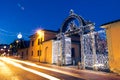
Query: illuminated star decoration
pixel 19 36
pixel 20 6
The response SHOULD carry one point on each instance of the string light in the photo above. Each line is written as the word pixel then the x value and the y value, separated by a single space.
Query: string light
pixel 8 33
pixel 101 46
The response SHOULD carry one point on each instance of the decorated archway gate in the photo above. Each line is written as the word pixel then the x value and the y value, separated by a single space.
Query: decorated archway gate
pixel 75 24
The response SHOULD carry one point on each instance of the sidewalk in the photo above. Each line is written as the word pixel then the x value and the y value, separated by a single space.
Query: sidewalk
pixel 85 74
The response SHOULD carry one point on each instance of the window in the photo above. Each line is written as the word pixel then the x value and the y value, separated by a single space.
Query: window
pixel 38 53
pixel 32 53
pixel 26 52
pixel 38 41
pixel 32 43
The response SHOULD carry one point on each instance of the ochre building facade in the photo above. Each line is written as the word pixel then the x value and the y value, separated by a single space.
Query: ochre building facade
pixel 113 40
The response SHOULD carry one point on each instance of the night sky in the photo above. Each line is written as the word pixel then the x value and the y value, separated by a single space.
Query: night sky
pixel 26 16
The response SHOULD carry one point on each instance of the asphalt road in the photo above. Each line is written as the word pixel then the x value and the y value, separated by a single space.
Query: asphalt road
pixel 13 69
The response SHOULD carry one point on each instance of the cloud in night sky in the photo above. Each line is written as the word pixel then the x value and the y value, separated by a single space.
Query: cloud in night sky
pixel 20 6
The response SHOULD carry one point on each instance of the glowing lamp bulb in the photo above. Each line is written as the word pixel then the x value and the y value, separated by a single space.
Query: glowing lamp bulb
pixel 19 36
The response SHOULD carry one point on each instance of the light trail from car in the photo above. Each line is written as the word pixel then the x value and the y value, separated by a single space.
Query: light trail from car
pixel 9 61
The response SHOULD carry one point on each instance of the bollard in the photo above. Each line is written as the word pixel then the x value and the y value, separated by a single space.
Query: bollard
pixel 79 65
pixel 73 62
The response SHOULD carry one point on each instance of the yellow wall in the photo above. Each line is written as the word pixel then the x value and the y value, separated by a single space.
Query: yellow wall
pixel 113 39
pixel 46 48
pixel 34 48
pixel 47 52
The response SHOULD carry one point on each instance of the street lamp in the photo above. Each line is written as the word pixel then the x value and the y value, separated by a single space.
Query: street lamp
pixel 4 47
pixel 40 39
pixel 17 41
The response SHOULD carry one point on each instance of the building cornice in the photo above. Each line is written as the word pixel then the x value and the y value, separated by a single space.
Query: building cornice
pixel 105 25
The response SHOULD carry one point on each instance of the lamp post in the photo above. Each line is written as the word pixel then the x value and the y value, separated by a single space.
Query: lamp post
pixel 17 47
pixel 4 49
pixel 40 39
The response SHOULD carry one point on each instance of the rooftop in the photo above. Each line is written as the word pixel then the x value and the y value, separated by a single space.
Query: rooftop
pixel 110 22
